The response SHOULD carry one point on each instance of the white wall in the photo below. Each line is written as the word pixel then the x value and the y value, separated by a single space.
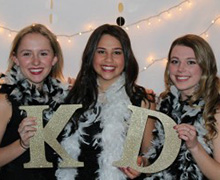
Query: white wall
pixel 72 17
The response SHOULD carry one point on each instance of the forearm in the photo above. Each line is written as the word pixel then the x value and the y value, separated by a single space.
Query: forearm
pixel 10 152
pixel 209 166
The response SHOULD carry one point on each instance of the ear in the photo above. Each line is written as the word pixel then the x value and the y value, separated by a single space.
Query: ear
pixel 55 59
pixel 15 59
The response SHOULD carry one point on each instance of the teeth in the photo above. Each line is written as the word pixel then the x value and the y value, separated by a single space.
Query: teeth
pixel 108 67
pixel 182 78
pixel 36 70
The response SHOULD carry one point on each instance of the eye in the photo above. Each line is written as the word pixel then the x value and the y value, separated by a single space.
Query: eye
pixel 118 52
pixel 44 53
pixel 174 61
pixel 191 62
pixel 26 54
pixel 100 51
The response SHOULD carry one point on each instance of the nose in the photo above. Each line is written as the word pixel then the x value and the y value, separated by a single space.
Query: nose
pixel 35 60
pixel 182 67
pixel 109 57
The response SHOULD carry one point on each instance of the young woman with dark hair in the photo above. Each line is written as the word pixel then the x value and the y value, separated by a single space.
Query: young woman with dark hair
pixel 105 86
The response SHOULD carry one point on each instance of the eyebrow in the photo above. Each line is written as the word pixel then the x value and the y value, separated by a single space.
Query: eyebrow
pixel 31 50
pixel 113 48
pixel 186 58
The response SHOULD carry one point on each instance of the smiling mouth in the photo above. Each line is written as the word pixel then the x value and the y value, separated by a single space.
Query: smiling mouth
pixel 182 77
pixel 108 68
pixel 36 71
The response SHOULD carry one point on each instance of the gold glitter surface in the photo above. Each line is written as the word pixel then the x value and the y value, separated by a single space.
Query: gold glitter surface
pixel 49 134
pixel 134 137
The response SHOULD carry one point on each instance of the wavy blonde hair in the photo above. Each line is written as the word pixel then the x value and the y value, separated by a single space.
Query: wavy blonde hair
pixel 57 69
pixel 209 84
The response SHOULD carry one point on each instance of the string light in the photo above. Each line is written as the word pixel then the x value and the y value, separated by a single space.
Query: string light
pixel 152 62
pixel 213 22
pixel 137 23
pixel 189 2
pixel 204 34
pixel 167 12
pixel 1 30
pixel 90 27
pixel 148 21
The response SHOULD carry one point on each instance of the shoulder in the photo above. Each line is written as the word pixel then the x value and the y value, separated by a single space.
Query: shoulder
pixel 216 140
pixel 4 102
pixel 3 98
pixel 5 108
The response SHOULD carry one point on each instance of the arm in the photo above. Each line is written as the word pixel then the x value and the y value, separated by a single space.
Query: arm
pixel 12 151
pixel 209 166
pixel 150 125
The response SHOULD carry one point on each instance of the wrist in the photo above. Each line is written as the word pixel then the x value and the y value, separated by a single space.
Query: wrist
pixel 195 148
pixel 23 145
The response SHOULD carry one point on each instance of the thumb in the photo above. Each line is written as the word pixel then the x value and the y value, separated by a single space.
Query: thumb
pixel 139 161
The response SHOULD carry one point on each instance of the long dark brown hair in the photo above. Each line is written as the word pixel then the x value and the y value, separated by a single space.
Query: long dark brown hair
pixel 85 90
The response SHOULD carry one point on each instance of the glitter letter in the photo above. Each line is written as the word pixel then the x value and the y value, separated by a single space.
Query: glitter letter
pixel 48 134
pixel 134 137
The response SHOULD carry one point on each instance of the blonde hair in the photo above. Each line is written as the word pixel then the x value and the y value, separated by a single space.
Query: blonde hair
pixel 57 69
pixel 209 84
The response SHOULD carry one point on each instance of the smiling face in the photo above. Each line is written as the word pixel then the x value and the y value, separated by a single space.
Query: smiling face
pixel 35 57
pixel 184 70
pixel 108 60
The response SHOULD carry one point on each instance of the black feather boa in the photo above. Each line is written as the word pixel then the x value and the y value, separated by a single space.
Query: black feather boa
pixel 184 167
pixel 21 92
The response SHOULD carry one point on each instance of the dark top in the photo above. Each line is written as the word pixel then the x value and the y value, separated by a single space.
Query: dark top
pixel 184 166
pixel 89 152
pixel 14 170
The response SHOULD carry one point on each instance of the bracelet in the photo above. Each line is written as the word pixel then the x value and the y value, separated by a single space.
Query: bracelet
pixel 22 145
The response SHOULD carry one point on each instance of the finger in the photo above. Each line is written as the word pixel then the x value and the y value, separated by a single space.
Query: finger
pixel 184 137
pixel 188 131
pixel 185 129
pixel 71 81
pixel 29 128
pixel 128 173
pixel 140 161
pixel 26 138
pixel 133 172
pixel 29 121
pixel 184 126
